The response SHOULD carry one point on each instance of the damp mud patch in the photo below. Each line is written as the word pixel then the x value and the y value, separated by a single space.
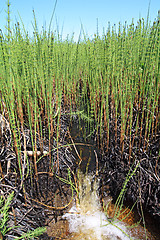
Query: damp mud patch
pixel 42 198
pixel 40 192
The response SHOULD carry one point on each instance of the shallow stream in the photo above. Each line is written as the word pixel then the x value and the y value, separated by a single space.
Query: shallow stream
pixel 90 218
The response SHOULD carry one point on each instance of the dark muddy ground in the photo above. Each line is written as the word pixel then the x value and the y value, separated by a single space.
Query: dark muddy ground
pixel 46 196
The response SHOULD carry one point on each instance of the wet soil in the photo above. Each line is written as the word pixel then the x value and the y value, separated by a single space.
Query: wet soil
pixel 113 169
pixel 45 197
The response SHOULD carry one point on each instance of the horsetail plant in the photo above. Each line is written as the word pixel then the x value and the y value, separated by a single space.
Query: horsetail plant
pixel 112 81
pixel 106 77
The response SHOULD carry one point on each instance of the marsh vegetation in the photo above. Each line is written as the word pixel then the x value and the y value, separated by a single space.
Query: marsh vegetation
pixel 108 85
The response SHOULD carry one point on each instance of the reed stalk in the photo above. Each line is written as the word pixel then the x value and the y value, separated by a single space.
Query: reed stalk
pixel 112 79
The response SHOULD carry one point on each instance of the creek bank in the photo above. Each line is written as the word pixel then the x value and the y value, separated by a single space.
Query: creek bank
pixel 46 196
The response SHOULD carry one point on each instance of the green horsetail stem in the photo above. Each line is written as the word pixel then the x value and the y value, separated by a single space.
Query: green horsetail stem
pixel 104 79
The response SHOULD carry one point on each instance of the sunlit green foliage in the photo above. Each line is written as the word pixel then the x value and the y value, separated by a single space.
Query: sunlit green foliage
pixel 106 77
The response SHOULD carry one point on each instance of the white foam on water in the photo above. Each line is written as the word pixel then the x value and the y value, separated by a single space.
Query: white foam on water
pixel 94 223
pixel 88 220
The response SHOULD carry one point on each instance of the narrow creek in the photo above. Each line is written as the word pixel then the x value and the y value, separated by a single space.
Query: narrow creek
pixel 91 217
